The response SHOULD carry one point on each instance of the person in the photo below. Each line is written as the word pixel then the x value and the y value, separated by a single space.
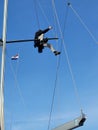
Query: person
pixel 41 42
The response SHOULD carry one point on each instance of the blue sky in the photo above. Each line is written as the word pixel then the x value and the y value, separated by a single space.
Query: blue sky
pixel 29 81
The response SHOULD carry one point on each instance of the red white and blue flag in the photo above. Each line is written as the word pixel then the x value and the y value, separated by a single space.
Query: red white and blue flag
pixel 15 57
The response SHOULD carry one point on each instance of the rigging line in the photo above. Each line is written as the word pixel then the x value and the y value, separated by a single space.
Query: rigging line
pixel 17 65
pixel 82 22
pixel 56 78
pixel 18 61
pixel 46 17
pixel 44 14
pixel 54 20
pixel 17 84
pixel 54 91
pixel 55 28
pixel 69 65
pixel 65 20
pixel 58 64
pixel 37 18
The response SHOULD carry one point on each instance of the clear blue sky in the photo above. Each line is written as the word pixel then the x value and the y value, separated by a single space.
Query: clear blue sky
pixel 29 81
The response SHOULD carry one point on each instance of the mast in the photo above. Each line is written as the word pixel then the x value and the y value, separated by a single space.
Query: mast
pixel 3 66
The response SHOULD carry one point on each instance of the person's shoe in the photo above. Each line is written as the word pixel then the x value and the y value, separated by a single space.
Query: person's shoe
pixel 57 53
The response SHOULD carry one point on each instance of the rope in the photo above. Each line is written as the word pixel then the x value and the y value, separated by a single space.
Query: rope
pixel 58 65
pixel 38 5
pixel 69 65
pixel 16 81
pixel 65 20
pixel 82 22
pixel 70 69
pixel 54 91
pixel 37 18
pixel 43 12
pixel 55 27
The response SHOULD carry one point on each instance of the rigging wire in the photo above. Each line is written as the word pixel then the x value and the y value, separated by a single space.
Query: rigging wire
pixel 37 4
pixel 70 69
pixel 65 20
pixel 56 78
pixel 43 12
pixel 37 18
pixel 54 90
pixel 58 65
pixel 82 22
pixel 55 28
pixel 16 81
pixel 68 61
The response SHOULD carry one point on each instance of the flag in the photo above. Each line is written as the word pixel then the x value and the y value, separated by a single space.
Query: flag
pixel 15 57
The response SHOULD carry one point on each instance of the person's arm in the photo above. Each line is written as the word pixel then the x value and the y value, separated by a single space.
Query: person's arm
pixel 46 30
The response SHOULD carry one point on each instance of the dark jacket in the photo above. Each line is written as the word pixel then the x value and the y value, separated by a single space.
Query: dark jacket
pixel 39 32
pixel 37 41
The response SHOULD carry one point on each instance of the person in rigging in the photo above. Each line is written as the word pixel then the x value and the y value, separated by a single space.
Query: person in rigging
pixel 41 42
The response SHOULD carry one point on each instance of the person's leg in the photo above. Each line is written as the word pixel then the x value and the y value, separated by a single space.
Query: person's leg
pixel 51 48
pixel 40 48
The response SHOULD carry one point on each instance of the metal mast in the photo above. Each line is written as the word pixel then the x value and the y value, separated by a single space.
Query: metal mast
pixel 3 65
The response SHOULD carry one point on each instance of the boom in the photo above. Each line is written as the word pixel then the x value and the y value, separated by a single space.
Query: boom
pixel 79 121
pixel 23 40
